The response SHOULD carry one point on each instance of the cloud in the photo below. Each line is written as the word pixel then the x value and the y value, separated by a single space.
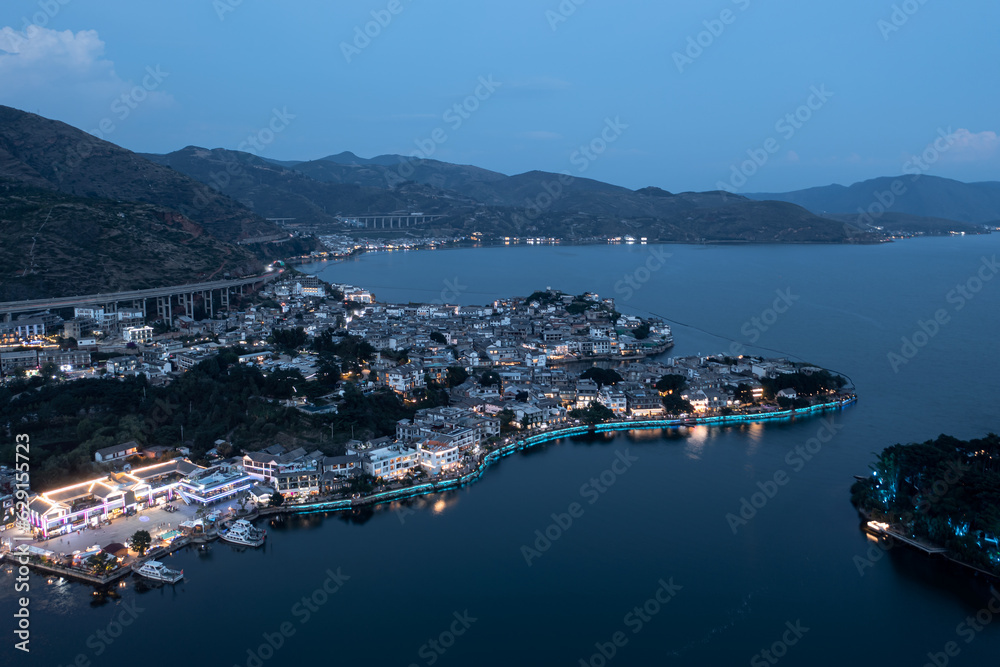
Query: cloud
pixel 973 146
pixel 64 75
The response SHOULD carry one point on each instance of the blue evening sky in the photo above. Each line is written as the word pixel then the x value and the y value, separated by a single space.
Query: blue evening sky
pixel 899 73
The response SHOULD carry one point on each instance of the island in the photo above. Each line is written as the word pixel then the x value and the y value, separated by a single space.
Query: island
pixel 941 497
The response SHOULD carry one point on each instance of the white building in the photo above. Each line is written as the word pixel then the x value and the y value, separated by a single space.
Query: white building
pixel 614 400
pixel 390 462
pixel 138 334
pixel 437 457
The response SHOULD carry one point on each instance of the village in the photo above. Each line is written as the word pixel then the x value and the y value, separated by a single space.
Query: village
pixel 512 373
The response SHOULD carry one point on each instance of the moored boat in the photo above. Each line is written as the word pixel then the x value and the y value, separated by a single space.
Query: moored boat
pixel 157 571
pixel 243 532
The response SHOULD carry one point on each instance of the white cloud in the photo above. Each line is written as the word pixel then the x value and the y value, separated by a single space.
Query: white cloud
pixel 973 147
pixel 64 75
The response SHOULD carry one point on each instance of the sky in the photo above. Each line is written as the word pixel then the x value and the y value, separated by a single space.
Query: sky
pixel 745 95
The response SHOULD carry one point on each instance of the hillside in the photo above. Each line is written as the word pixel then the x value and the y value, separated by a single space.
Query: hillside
pixel 925 196
pixel 535 203
pixel 43 153
pixel 56 244
pixel 275 191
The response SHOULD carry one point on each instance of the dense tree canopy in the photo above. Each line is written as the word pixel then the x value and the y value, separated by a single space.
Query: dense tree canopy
pixel 602 376
pixel 946 491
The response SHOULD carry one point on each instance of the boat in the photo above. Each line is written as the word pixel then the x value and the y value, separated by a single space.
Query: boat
pixel 157 571
pixel 243 532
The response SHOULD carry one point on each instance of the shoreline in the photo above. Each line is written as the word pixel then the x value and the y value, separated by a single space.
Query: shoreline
pixel 458 245
pixel 521 444
pixel 513 446
pixel 928 549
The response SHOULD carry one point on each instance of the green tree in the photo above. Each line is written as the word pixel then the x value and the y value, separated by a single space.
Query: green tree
pixel 277 500
pixel 101 563
pixel 595 413
pixel 490 379
pixel 671 383
pixel 438 337
pixel 140 541
pixel 506 418
pixel 675 405
pixel 602 376
pixel 457 375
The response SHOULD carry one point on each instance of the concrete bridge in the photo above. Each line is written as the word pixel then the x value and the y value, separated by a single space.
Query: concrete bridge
pixel 164 298
pixel 387 220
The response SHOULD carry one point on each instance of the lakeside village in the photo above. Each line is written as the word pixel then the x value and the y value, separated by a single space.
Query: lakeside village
pixel 476 383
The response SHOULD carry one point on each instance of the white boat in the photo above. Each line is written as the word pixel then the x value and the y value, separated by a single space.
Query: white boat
pixel 157 571
pixel 243 532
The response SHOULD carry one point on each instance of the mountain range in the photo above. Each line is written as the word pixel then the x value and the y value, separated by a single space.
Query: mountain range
pixel 81 215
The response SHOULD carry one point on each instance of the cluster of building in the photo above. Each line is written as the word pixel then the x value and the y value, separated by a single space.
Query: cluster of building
pixel 520 362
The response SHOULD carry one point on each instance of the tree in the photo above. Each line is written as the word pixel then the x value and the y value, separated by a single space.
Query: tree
pixel 438 337
pixel 602 376
pixel 641 332
pixel 50 371
pixel 277 500
pixel 101 563
pixel 490 379
pixel 140 541
pixel 457 375
pixel 675 405
pixel 595 413
pixel 506 417
pixel 670 383
pixel 522 396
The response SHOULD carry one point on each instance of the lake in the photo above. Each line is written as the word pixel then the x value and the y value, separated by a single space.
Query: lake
pixel 628 549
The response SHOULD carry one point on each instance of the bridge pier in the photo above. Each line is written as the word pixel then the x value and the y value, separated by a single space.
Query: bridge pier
pixel 163 309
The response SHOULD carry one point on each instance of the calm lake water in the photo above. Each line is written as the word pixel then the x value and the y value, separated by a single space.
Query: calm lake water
pixel 453 569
